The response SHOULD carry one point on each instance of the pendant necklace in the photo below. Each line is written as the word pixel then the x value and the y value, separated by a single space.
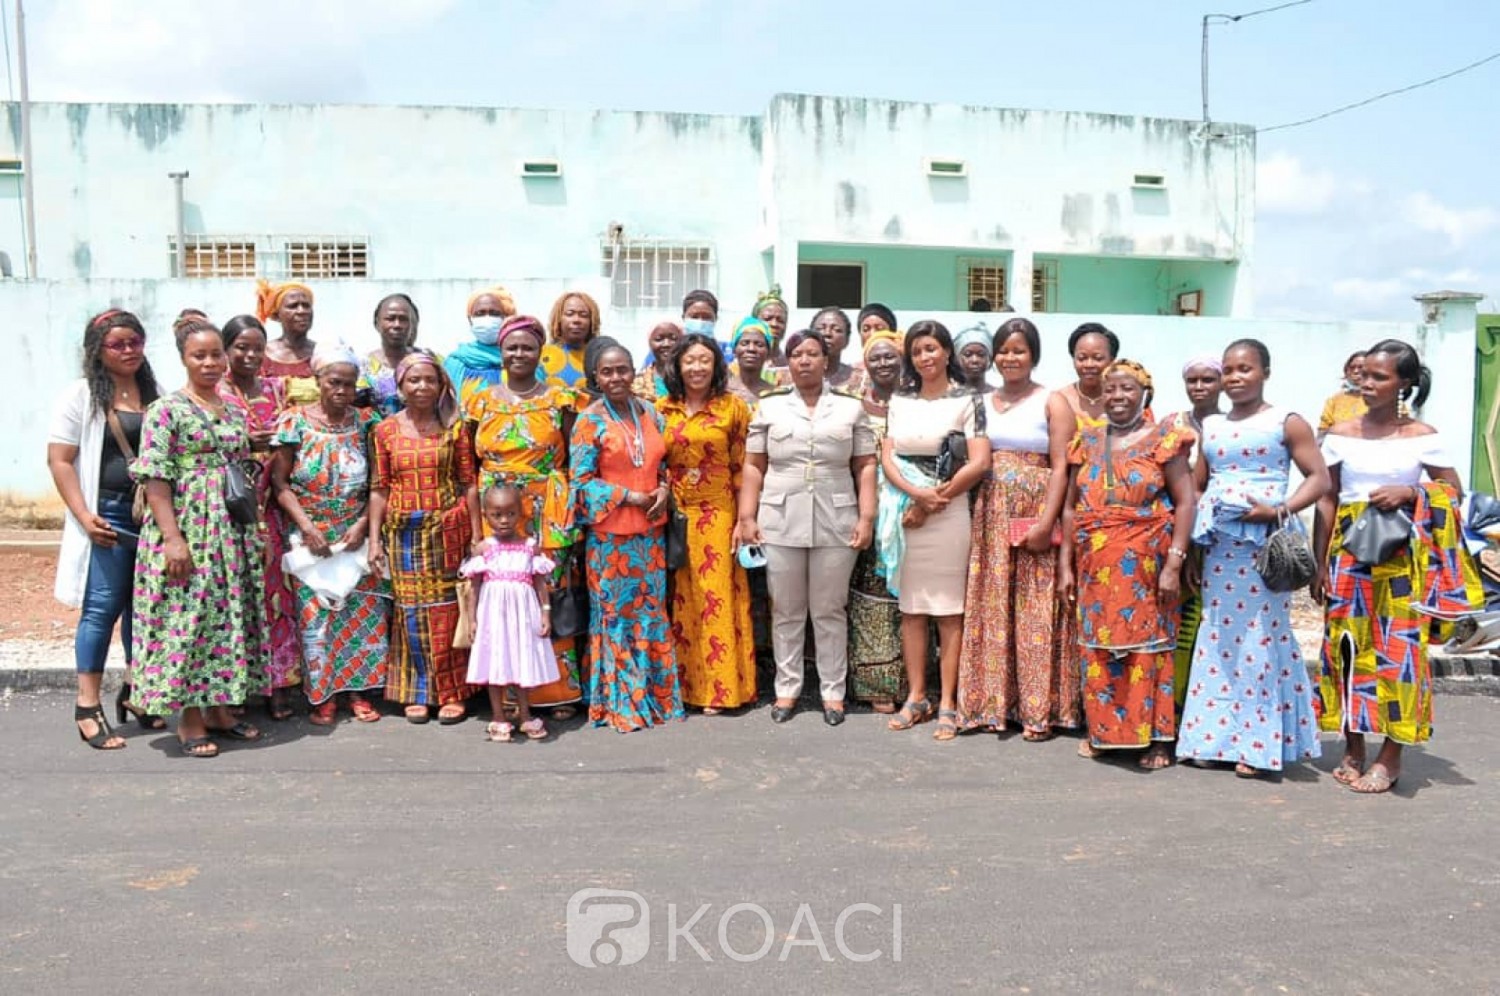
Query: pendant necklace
pixel 635 440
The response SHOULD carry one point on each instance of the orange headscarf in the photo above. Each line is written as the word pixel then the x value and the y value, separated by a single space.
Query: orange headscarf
pixel 500 294
pixel 884 335
pixel 268 298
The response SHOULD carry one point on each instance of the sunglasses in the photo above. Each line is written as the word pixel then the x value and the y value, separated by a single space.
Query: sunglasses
pixel 134 344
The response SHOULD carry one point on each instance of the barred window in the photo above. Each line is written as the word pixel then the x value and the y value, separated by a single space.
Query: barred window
pixel 982 280
pixel 210 257
pixel 275 257
pixel 655 273
pixel 325 259
pixel 1043 285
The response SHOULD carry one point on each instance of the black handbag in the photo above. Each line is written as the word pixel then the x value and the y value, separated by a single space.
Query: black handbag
pixel 677 537
pixel 240 499
pixel 570 604
pixel 1377 535
pixel 953 455
pixel 1285 561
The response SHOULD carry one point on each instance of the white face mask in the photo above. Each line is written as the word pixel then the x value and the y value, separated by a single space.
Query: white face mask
pixel 486 329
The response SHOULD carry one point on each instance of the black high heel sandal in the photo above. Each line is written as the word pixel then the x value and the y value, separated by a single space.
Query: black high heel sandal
pixel 103 734
pixel 123 708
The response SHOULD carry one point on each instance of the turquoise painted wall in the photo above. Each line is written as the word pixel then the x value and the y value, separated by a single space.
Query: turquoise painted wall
pixel 1139 286
pixel 905 278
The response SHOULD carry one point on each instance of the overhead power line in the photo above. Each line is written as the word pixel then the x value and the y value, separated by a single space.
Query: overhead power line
pixel 1381 96
pixel 1211 19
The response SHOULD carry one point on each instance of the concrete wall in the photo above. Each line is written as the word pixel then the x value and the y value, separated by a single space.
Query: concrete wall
pixel 436 190
pixel 45 322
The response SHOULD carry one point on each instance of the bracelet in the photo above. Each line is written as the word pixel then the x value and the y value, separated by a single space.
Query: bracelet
pixel 546 608
pixel 1179 554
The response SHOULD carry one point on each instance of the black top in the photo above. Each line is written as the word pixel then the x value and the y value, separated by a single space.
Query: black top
pixel 114 469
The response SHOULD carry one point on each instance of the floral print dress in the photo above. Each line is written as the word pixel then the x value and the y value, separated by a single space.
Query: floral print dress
pixel 200 641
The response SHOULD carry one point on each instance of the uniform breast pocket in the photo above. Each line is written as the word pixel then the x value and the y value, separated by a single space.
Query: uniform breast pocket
pixel 845 506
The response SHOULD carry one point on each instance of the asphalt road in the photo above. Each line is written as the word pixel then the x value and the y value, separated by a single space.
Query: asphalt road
pixel 393 857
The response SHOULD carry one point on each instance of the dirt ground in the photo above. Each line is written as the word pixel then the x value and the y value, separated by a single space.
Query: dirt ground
pixel 27 609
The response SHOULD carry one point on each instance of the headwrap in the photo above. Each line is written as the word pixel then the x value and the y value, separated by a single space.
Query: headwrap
pixel 977 335
pixel 591 354
pixel 507 303
pixel 802 335
pixel 879 311
pixel 331 354
pixel 1209 360
pixel 522 323
pixel 1132 369
pixel 268 298
pixel 772 296
pixel 447 405
pixel 751 324
pixel 891 336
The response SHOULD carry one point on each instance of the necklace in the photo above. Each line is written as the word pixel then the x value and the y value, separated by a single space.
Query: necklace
pixel 530 392
pixel 635 440
pixel 419 429
pixel 216 406
pixel 1004 404
pixel 346 422
pixel 1085 397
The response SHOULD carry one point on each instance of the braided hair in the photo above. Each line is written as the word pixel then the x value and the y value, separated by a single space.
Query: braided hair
pixel 101 385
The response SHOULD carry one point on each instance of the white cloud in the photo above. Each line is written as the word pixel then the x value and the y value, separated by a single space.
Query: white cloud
pixel 1284 186
pixel 1460 225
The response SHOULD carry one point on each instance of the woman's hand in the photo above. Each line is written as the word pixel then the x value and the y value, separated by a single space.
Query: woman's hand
pixel 1393 496
pixel 179 559
pixel 658 503
pixel 930 500
pixel 314 541
pixel 356 535
pixel 260 439
pixel 101 533
pixel 746 533
pixel 544 629
pixel 1038 540
pixel 1259 512
pixel 375 554
pixel 1319 587
pixel 1067 587
pixel 864 531
pixel 1169 581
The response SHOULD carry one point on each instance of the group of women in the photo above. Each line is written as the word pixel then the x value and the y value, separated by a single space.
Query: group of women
pixel 1055 559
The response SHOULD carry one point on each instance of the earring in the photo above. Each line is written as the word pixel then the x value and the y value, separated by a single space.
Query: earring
pixel 1403 410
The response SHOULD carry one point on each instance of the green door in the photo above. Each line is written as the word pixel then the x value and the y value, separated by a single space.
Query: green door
pixel 1486 461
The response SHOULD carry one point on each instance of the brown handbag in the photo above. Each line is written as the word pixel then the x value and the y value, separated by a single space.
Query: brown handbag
pixel 138 506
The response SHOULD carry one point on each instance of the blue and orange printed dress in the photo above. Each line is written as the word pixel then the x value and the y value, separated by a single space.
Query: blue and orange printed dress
pixel 1249 699
pixel 1123 522
pixel 633 674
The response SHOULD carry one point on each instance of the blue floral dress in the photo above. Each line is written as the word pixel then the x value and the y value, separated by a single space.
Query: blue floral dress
pixel 1249 698
pixel 198 642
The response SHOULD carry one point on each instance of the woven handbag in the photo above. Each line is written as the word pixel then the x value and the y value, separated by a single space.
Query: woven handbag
pixel 1285 561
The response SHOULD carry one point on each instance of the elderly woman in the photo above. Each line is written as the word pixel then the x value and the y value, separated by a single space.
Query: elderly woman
pixel 1020 657
pixel 833 325
pixel 876 674
pixel 808 495
pixel 974 346
pixel 1129 512
pixel 875 317
pixel 322 480
pixel 1249 702
pixel 618 460
pixel 260 401
pixel 288 357
pixel 1377 675
pixel 573 322
pixel 475 364
pixel 199 618
pixel 704 427
pixel 424 510
pixel 935 450
pixel 771 309
pixel 96 429
pixel 651 383
pixel 521 427
pixel 750 349
pixel 396 319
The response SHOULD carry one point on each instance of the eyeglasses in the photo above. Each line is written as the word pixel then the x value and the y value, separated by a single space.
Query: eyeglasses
pixel 132 345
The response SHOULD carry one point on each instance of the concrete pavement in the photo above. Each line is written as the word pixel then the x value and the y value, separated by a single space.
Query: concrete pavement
pixel 394 857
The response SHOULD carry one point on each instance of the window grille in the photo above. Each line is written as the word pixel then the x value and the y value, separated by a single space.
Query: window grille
pixel 654 273
pixel 1043 285
pixel 982 280
pixel 275 257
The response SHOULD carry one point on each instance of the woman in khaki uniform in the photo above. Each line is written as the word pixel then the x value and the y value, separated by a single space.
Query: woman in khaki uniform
pixel 808 494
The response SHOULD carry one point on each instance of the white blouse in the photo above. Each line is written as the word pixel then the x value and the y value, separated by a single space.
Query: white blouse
pixel 1367 464
pixel 1023 427
pixel 75 422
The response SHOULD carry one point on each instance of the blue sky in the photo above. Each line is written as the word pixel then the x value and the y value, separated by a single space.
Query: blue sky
pixel 1355 213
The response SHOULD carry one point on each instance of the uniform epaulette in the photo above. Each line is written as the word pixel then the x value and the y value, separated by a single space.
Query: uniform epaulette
pixel 846 393
pixel 778 391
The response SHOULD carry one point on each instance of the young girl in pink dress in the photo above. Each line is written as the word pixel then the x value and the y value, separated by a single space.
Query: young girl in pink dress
pixel 512 619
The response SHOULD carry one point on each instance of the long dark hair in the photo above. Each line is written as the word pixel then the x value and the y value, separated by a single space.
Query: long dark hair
pixel 1409 367
pixel 911 381
pixel 101 386
pixel 672 374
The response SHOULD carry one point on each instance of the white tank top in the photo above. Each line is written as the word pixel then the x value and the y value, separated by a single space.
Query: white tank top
pixel 1022 429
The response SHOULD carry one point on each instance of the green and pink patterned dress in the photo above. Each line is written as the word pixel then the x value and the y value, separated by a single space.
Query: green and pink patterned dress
pixel 198 642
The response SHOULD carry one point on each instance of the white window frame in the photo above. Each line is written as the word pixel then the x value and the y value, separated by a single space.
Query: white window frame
pixel 657 272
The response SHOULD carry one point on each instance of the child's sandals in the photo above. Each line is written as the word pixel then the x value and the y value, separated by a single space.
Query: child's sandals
pixel 498 733
pixel 534 728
